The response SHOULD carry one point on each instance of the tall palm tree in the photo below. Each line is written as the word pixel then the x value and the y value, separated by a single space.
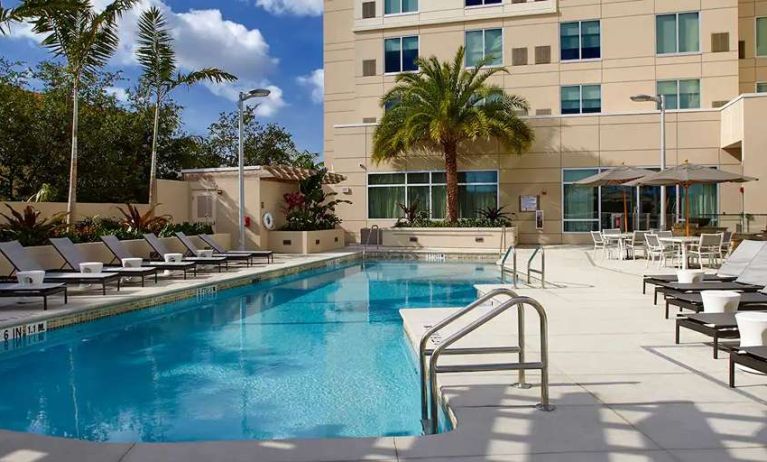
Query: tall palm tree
pixel 156 55
pixel 87 39
pixel 442 108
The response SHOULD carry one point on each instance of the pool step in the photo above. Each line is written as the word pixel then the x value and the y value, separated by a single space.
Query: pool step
pixel 478 350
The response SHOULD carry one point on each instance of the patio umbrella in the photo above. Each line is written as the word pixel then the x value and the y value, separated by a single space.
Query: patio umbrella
pixel 686 175
pixel 615 177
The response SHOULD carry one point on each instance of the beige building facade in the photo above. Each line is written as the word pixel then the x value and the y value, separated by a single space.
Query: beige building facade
pixel 577 62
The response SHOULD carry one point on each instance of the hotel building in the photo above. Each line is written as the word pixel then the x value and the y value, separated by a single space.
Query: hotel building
pixel 577 62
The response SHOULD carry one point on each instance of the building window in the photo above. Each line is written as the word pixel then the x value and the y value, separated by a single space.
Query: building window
pixel 761 87
pixel 483 2
pixel 761 36
pixel 579 40
pixel 680 94
pixel 677 33
pixel 400 6
pixel 400 54
pixel 477 190
pixel 481 44
pixel 580 204
pixel 581 99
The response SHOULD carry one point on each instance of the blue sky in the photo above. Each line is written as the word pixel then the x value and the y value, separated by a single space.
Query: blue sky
pixel 271 43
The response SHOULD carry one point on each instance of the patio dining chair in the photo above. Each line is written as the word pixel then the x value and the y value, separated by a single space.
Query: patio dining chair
pixel 636 243
pixel 656 250
pixel 726 246
pixel 709 247
pixel 599 243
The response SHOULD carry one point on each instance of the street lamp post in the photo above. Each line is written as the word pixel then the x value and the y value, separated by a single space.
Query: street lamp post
pixel 660 101
pixel 244 96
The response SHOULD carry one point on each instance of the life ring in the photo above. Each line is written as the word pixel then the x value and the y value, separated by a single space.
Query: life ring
pixel 268 220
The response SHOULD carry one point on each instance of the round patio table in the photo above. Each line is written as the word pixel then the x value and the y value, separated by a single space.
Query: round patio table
pixel 684 242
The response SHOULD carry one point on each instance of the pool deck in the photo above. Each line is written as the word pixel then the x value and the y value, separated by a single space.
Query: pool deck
pixel 623 391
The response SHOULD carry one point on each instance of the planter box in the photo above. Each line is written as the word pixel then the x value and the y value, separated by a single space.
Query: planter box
pixel 450 238
pixel 304 242
pixel 48 258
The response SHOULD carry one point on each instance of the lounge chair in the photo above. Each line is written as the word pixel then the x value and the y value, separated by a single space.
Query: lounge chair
pixel 33 290
pixel 193 251
pixel 121 252
pixel 208 239
pixel 715 325
pixel 22 261
pixel 751 357
pixel 731 268
pixel 752 279
pixel 159 247
pixel 74 257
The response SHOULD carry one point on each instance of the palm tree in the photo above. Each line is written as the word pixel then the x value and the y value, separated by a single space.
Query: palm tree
pixel 86 39
pixel 156 55
pixel 445 106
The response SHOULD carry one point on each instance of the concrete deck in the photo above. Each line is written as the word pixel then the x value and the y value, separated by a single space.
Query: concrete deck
pixel 623 391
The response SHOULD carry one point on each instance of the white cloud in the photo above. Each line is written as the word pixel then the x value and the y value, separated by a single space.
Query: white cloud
pixel 293 7
pixel 315 82
pixel 121 94
pixel 203 38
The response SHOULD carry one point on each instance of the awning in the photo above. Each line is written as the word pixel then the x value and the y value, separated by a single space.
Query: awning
pixel 288 173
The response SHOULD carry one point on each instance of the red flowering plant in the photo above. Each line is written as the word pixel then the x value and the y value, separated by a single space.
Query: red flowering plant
pixel 311 208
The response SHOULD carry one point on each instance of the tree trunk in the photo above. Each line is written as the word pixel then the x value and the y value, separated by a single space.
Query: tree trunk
pixel 153 167
pixel 72 196
pixel 451 171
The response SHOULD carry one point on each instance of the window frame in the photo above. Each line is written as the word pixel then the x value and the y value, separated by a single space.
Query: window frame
pixel 677 52
pixel 401 13
pixel 756 37
pixel 580 58
pixel 401 54
pixel 431 184
pixel 483 5
pixel 580 103
pixel 700 93
pixel 484 46
pixel 637 196
pixel 756 87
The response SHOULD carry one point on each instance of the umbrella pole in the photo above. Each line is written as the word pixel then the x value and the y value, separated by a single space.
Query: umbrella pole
pixel 687 208
pixel 625 214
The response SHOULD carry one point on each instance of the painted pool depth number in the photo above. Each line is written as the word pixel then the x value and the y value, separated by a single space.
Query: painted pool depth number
pixel 25 330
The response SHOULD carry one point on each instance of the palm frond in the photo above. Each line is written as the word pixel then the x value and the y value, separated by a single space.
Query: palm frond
pixel 155 47
pixel 208 74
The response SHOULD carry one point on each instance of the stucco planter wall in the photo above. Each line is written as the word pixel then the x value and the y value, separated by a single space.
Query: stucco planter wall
pixel 47 256
pixel 449 238
pixel 304 242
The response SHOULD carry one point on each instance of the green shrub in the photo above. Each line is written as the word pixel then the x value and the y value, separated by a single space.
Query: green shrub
pixel 28 228
pixel 190 229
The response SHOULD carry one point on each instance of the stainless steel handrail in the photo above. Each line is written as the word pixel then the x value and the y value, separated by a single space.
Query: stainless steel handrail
pixel 542 365
pixel 542 271
pixel 512 250
pixel 422 353
pixel 367 241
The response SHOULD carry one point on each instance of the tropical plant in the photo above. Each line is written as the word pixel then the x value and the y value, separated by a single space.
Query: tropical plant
pixel 190 229
pixel 444 107
pixel 28 228
pixel 411 214
pixel 44 194
pixel 156 55
pixel 311 208
pixel 86 39
pixel 494 214
pixel 135 222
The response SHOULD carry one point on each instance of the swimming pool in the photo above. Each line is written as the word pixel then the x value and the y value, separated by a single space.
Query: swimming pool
pixel 320 354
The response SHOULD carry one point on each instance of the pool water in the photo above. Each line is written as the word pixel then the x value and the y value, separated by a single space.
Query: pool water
pixel 320 354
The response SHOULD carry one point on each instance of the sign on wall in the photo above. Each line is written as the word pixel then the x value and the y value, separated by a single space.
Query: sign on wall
pixel 528 203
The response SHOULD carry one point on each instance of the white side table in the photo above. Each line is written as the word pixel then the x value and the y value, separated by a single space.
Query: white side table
pixel 91 267
pixel 30 278
pixel 132 263
pixel 205 253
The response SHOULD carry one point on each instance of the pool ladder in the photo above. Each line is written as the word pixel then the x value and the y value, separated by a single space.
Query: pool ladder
pixel 430 399
pixel 512 252
pixel 377 231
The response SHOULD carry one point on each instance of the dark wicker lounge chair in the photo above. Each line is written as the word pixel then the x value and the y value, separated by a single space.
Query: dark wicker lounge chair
pixel 120 252
pixel 208 239
pixel 22 261
pixel 753 357
pixel 693 301
pixel 33 290
pixel 74 257
pixel 159 247
pixel 193 251
pixel 715 325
